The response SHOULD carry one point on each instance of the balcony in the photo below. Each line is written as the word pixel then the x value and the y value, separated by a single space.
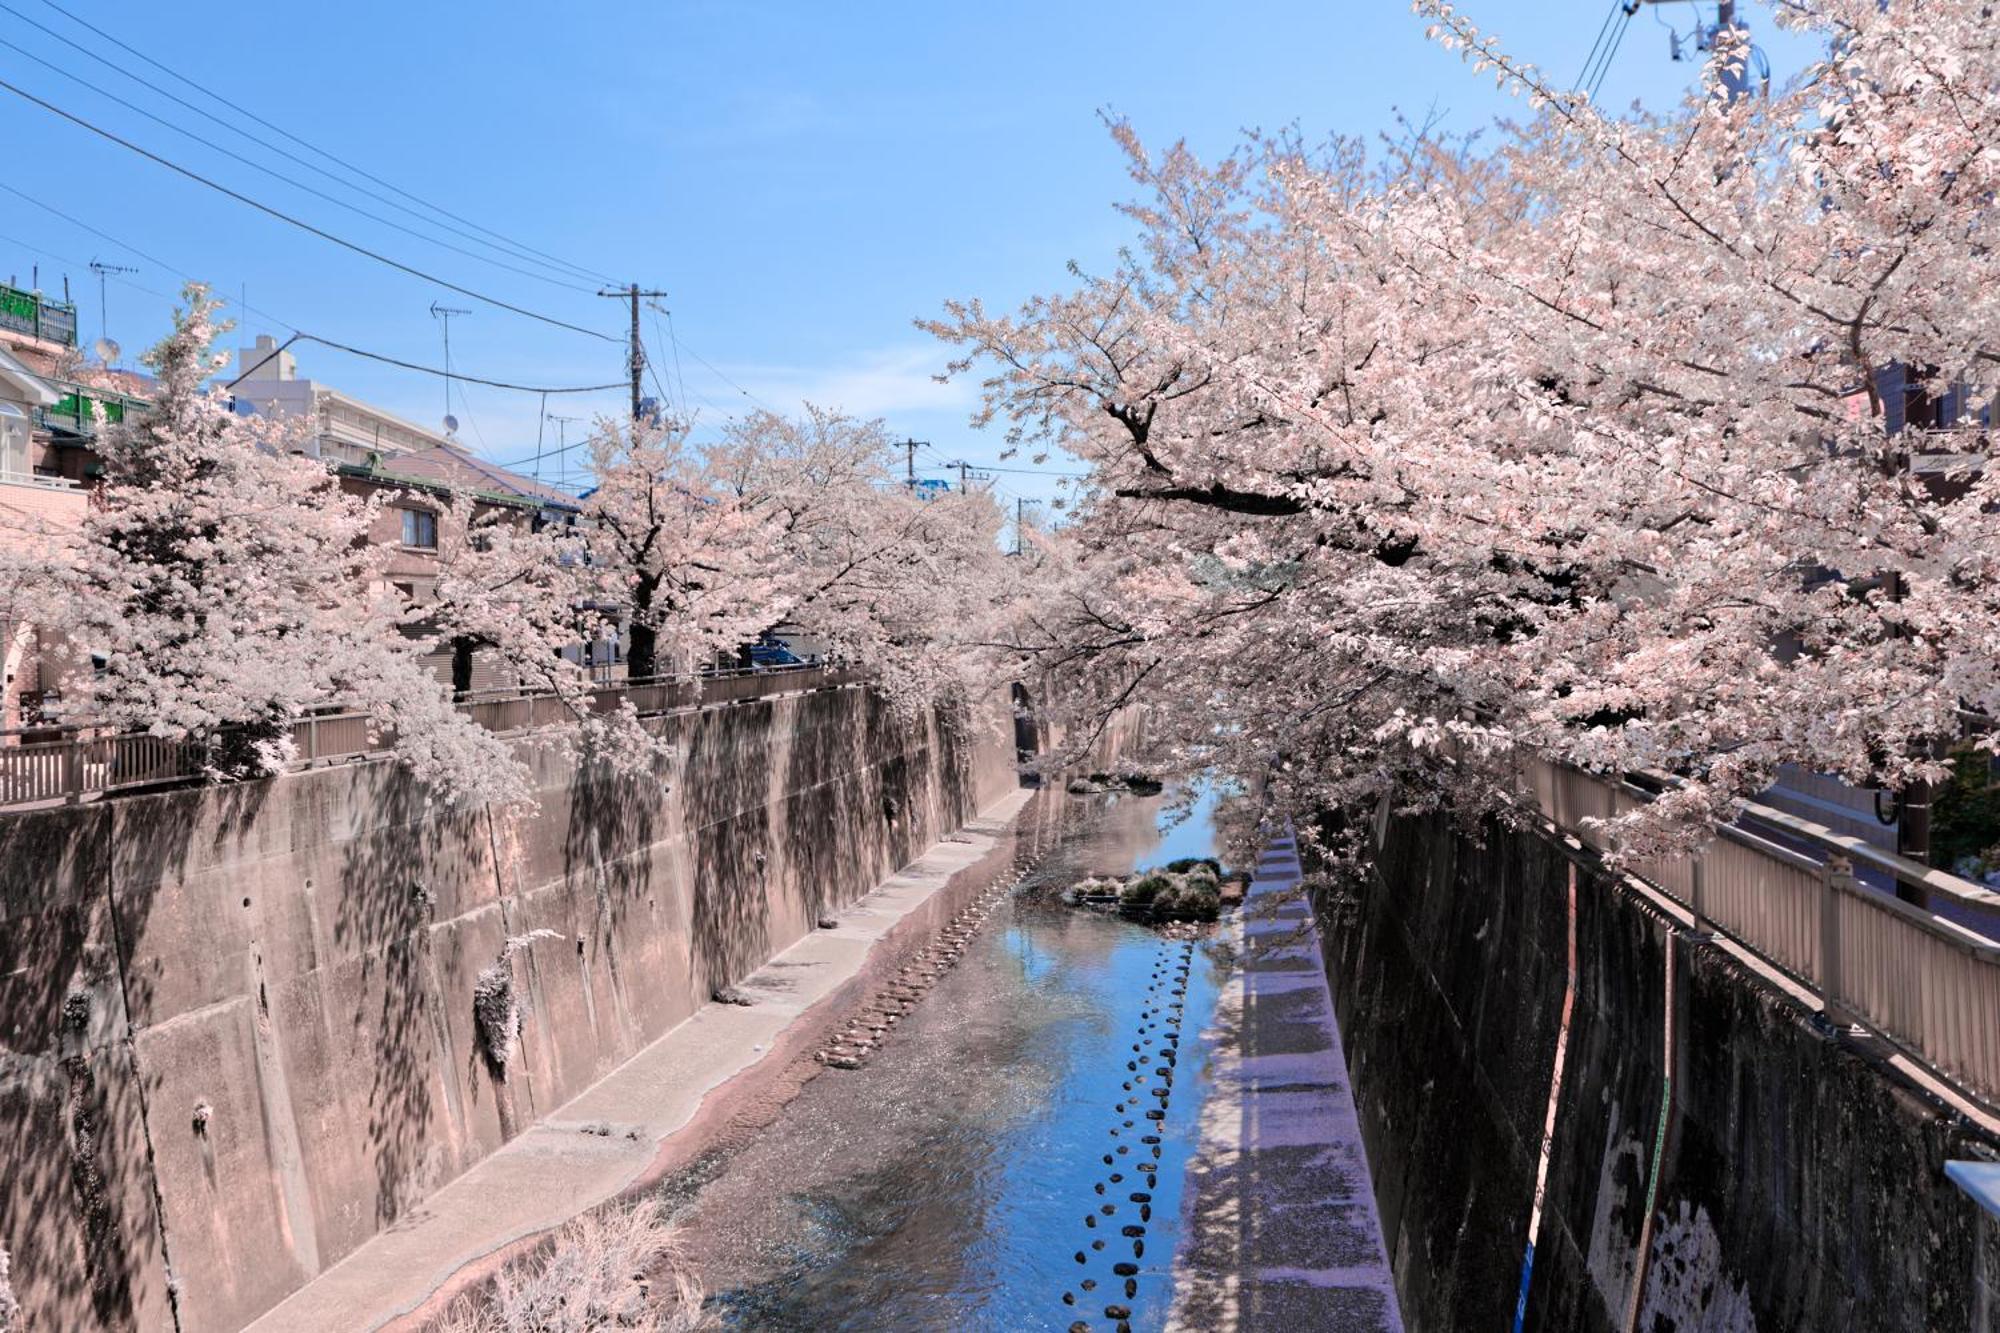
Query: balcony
pixel 84 409
pixel 37 316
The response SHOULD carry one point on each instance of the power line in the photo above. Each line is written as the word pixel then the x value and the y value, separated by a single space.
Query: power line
pixel 457 375
pixel 1589 61
pixel 1619 22
pixel 255 165
pixel 282 216
pixel 521 248
pixel 102 235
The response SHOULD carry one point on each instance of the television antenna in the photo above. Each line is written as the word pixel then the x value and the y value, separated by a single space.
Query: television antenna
pixel 562 447
pixel 443 314
pixel 105 341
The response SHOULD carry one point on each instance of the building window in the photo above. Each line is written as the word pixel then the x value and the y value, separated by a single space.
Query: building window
pixel 420 528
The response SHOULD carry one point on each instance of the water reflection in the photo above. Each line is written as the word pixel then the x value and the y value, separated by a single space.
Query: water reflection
pixel 945 1185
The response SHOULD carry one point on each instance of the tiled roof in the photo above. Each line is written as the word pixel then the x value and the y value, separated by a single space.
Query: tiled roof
pixel 448 465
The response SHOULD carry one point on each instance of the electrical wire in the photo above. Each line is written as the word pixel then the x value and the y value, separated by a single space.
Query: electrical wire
pixel 282 216
pixel 127 246
pixel 1589 61
pixel 673 340
pixel 433 370
pixel 520 248
pixel 255 165
pixel 1611 51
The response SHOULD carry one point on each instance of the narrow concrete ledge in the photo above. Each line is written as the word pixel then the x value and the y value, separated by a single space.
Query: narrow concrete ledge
pixel 1282 1228
pixel 567 1162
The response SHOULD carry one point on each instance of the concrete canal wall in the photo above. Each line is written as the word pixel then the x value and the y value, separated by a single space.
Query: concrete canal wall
pixel 1801 1184
pixel 244 1029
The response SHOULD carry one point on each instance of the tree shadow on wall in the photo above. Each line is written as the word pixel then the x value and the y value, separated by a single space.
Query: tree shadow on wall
pixel 614 821
pixel 392 878
pixel 725 797
pixel 828 825
pixel 78 886
pixel 902 771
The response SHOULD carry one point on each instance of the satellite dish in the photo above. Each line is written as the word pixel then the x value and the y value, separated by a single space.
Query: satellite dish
pixel 107 350
pixel 450 424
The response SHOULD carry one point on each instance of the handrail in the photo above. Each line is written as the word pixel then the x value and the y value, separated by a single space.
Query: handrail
pixel 1901 868
pixel 1925 983
pixel 70 760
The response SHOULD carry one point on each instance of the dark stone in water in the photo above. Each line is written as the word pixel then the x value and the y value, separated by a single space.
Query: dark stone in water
pixel 1124 1270
pixel 1145 1212
pixel 1115 1177
pixel 1090 1284
pixel 1099 1187
pixel 1135 1230
pixel 1150 1138
pixel 1069 1298
pixel 1107 1159
pixel 1079 1327
pixel 1090 1219
pixel 1108 1209
pixel 1082 1258
pixel 1117 1312
pixel 1097 1245
pixel 1131 1290
pixel 1140 1196
pixel 1138 1249
pixel 1156 1114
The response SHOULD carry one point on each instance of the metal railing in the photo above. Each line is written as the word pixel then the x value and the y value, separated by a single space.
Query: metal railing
pixel 1925 982
pixel 70 761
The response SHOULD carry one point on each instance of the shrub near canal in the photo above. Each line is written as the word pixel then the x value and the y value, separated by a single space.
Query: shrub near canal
pixel 1186 890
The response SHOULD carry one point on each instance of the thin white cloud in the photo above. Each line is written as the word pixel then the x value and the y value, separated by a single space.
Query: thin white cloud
pixel 887 382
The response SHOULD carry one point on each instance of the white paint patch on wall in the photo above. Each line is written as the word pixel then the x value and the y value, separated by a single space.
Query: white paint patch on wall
pixel 1620 1180
pixel 1688 1287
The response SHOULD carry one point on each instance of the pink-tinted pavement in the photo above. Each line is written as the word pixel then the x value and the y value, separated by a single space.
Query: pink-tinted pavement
pixel 1282 1227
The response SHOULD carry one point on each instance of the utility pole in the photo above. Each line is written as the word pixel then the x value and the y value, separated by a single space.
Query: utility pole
pixel 103 320
pixel 636 362
pixel 443 314
pixel 910 461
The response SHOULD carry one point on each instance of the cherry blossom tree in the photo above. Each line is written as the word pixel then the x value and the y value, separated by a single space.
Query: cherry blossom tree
pixel 223 580
pixel 1570 448
pixel 782 522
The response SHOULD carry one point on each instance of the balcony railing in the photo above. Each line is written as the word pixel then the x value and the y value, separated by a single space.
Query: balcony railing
pixel 84 409
pixel 1926 983
pixel 37 316
pixel 71 761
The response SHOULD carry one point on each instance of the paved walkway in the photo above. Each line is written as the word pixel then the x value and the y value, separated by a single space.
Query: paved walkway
pixel 555 1169
pixel 1282 1230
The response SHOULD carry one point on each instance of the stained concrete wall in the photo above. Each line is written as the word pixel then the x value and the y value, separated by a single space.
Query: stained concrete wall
pixel 267 989
pixel 1802 1184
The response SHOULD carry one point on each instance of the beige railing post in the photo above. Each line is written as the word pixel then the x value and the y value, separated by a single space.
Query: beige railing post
pixel 73 770
pixel 1836 874
pixel 1698 892
pixel 312 738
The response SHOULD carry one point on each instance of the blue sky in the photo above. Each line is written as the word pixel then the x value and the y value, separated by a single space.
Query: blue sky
pixel 803 179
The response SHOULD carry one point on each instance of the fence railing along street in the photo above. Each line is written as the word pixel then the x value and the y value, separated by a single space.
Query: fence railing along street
pixel 1924 982
pixel 74 761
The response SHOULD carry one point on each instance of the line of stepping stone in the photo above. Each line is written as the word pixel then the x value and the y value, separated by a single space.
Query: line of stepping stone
pixel 1153 1063
pixel 870 1026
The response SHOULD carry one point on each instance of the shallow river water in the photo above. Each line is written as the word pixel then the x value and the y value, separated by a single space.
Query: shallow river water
pixel 946 1184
